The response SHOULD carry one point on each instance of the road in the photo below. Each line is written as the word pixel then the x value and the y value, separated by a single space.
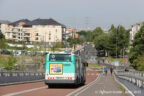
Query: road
pixel 104 85
pixel 40 89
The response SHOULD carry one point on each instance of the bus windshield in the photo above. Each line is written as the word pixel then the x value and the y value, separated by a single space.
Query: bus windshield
pixel 60 57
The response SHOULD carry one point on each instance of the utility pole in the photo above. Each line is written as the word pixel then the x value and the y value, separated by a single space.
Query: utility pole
pixel 86 23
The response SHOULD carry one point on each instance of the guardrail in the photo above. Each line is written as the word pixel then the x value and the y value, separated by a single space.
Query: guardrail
pixel 7 78
pixel 134 77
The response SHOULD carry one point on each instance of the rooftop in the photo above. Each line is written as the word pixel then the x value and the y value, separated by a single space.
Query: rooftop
pixel 44 22
pixel 17 22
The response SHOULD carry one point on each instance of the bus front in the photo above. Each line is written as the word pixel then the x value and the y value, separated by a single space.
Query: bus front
pixel 60 69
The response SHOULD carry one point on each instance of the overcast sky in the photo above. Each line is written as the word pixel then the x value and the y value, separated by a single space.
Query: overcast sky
pixel 76 13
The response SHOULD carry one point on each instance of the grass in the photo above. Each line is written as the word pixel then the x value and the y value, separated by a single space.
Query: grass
pixel 114 59
pixel 122 89
pixel 110 59
pixel 95 66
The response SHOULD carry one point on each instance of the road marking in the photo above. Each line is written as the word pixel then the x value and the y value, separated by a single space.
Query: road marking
pixel 89 85
pixel 25 91
pixel 80 90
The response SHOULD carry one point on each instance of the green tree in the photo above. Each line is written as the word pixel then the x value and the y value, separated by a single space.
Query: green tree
pixel 102 43
pixel 119 40
pixel 137 46
pixel 98 31
pixel 2 41
pixel 11 63
pixel 2 36
pixel 139 63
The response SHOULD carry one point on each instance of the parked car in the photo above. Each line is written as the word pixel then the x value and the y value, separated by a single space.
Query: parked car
pixel 7 52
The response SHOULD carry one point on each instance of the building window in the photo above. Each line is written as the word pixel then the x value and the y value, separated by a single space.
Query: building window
pixel 37 34
pixel 36 38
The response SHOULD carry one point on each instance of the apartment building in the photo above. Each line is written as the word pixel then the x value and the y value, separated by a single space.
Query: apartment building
pixel 44 30
pixel 3 26
pixel 14 29
pixel 134 30
pixel 38 30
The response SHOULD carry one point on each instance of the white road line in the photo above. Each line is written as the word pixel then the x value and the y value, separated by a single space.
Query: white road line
pixel 25 91
pixel 83 88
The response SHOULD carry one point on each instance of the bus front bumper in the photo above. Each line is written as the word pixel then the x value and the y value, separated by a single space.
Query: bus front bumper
pixel 60 81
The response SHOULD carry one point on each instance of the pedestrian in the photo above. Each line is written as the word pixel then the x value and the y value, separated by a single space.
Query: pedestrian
pixel 105 70
pixel 111 70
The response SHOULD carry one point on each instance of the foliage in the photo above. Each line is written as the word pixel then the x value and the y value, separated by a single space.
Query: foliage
pixel 59 45
pixel 102 42
pixel 119 40
pixel 2 36
pixel 10 63
pixel 2 41
pixel 3 44
pixel 106 42
pixel 137 47
pixel 139 63
pixel 73 41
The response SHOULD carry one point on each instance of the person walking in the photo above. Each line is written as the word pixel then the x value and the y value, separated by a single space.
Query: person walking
pixel 111 70
pixel 105 70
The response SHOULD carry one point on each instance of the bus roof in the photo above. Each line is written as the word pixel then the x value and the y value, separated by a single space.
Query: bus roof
pixel 60 53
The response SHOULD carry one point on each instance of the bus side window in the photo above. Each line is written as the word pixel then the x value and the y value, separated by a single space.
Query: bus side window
pixel 77 64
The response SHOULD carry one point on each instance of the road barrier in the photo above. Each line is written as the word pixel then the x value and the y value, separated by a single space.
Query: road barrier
pixel 7 78
pixel 134 77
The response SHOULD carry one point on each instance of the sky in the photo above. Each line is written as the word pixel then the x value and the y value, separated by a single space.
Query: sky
pixel 76 13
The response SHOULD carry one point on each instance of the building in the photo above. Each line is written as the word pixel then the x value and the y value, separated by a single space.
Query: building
pixel 72 32
pixel 13 30
pixel 3 26
pixel 134 30
pixel 38 30
pixel 44 30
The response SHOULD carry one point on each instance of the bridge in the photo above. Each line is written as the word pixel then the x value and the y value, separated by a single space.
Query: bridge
pixel 120 83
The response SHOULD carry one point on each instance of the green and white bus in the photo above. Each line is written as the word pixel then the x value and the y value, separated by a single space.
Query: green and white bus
pixel 63 68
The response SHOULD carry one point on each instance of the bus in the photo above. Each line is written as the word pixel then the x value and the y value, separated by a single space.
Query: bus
pixel 63 68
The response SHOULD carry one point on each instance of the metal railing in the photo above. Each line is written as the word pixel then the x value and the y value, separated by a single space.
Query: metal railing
pixel 7 78
pixel 134 77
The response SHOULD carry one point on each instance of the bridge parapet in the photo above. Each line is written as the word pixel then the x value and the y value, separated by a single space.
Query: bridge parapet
pixel 135 77
pixel 7 78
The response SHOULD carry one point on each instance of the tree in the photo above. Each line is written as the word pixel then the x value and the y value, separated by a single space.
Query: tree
pixel 102 43
pixel 74 41
pixel 2 36
pixel 139 63
pixel 2 41
pixel 137 46
pixel 98 31
pixel 119 40
pixel 11 63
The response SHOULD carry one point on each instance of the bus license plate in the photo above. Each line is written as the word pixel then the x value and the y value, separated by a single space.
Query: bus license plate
pixel 59 77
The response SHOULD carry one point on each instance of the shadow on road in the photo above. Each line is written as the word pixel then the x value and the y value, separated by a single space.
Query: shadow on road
pixel 64 86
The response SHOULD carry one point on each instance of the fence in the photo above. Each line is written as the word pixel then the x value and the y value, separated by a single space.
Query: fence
pixel 134 77
pixel 20 77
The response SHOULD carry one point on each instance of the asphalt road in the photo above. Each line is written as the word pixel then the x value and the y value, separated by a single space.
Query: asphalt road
pixel 40 89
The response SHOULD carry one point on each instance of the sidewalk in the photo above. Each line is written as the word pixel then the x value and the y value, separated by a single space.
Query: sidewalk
pixel 104 86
